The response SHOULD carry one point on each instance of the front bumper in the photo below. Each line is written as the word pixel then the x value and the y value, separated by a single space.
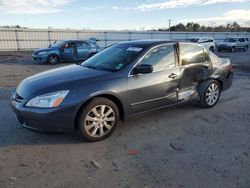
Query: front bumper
pixel 60 119
pixel 40 58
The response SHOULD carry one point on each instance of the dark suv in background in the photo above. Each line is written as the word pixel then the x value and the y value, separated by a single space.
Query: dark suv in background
pixel 67 50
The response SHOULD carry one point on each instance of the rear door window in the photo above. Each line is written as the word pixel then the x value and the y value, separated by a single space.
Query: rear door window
pixel 192 53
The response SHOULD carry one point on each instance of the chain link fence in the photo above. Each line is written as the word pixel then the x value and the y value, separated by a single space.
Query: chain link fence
pixel 30 39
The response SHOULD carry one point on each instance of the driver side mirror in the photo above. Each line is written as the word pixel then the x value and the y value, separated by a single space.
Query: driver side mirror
pixel 143 69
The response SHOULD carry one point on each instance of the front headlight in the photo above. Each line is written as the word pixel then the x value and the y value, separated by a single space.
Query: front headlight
pixel 48 100
pixel 41 53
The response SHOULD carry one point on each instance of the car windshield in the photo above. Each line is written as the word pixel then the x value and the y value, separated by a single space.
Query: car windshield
pixel 230 40
pixel 113 58
pixel 193 40
pixel 57 43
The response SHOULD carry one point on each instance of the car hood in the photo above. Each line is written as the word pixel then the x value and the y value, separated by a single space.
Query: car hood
pixel 44 49
pixel 63 78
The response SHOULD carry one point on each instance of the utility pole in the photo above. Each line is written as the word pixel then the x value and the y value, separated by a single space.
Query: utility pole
pixel 169 26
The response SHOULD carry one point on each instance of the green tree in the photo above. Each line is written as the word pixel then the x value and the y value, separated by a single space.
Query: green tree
pixel 180 27
pixel 196 27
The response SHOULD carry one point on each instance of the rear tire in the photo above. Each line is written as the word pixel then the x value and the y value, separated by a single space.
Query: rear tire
pixel 209 92
pixel 98 119
pixel 53 59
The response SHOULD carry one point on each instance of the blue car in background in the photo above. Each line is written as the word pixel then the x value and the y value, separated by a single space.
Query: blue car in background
pixel 67 51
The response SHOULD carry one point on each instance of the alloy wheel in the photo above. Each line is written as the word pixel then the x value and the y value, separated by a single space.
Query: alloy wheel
pixel 99 121
pixel 53 60
pixel 212 94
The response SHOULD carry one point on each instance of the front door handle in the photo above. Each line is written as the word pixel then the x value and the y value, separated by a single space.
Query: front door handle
pixel 172 75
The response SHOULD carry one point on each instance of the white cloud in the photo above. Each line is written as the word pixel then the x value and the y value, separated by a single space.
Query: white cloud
pixel 167 5
pixel 242 16
pixel 182 3
pixel 93 8
pixel 224 1
pixel 32 6
pixel 106 8
pixel 114 8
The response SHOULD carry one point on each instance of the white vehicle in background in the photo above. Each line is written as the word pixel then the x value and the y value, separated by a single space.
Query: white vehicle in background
pixel 207 42
pixel 233 44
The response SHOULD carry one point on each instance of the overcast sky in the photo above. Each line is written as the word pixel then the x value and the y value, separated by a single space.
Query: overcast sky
pixel 121 14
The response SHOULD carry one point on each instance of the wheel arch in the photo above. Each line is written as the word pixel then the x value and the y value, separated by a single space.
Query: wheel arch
pixel 220 82
pixel 111 97
pixel 216 79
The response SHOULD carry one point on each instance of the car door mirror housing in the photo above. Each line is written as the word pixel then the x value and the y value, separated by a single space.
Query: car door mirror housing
pixel 143 69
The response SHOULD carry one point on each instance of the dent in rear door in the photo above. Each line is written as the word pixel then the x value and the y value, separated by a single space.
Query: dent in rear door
pixel 196 67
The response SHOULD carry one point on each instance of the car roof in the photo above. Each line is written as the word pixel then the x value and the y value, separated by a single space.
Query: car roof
pixel 146 43
pixel 199 37
pixel 73 40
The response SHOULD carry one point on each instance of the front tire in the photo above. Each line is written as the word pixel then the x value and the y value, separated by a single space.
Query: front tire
pixel 53 59
pixel 209 92
pixel 98 119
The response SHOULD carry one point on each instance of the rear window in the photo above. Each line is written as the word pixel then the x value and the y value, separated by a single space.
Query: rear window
pixel 192 53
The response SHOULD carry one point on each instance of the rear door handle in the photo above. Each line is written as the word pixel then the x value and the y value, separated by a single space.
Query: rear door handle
pixel 172 75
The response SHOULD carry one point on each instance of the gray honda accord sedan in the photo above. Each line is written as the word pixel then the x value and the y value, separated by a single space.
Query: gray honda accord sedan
pixel 121 81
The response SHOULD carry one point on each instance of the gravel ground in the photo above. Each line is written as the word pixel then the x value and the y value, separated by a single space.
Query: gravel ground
pixel 183 146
